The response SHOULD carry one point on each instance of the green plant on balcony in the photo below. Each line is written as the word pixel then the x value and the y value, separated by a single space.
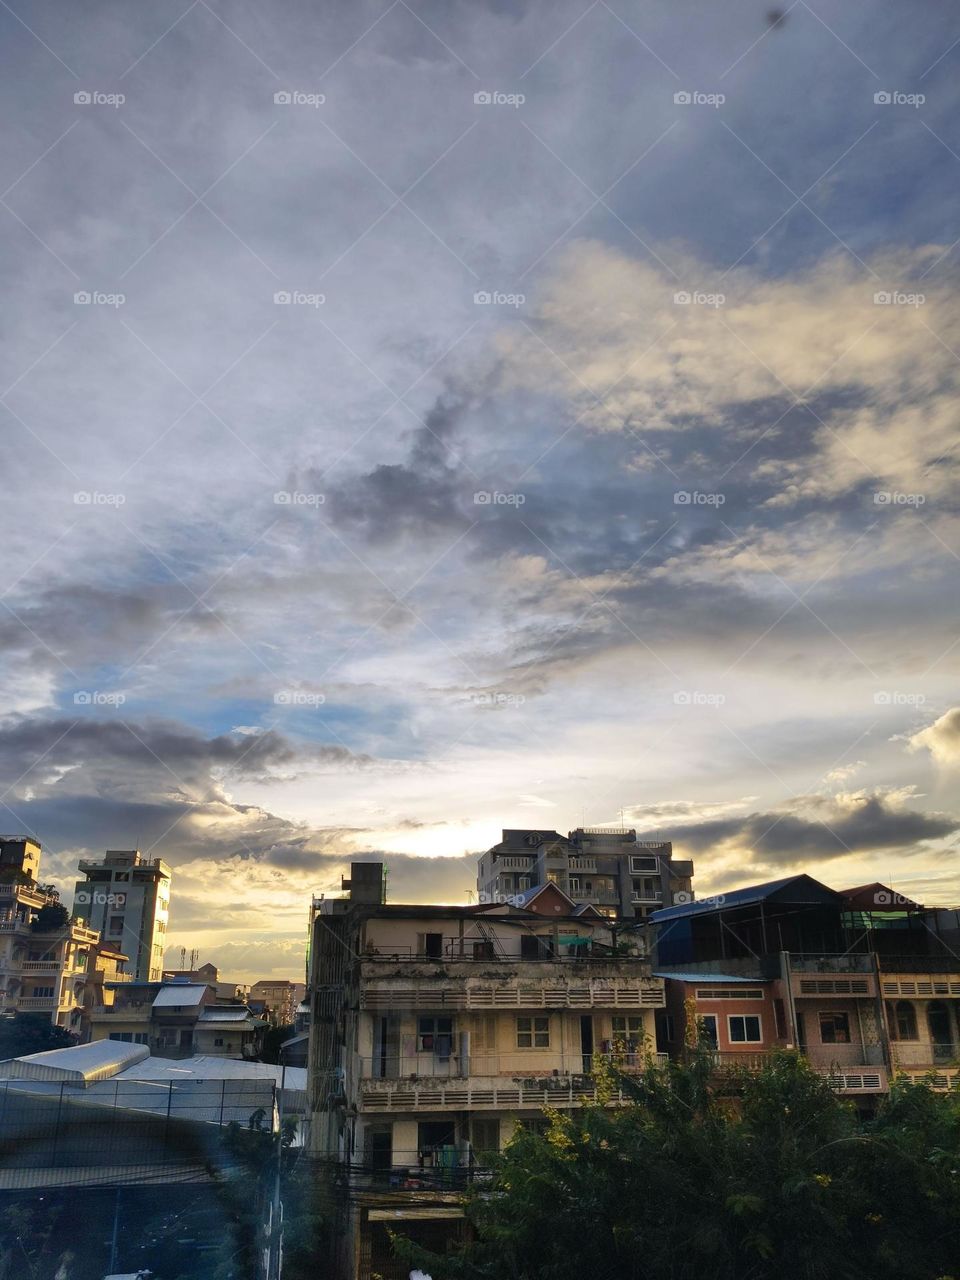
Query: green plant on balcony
pixel 51 918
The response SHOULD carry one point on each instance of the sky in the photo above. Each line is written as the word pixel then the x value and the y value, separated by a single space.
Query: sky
pixel 423 418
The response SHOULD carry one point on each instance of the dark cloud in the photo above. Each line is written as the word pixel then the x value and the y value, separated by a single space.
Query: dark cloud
pixel 790 839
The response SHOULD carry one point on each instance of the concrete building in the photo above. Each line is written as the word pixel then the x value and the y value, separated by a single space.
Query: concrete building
pixel 436 1030
pixel 608 868
pixel 177 1019
pixel 864 982
pixel 45 964
pixel 277 999
pixel 127 899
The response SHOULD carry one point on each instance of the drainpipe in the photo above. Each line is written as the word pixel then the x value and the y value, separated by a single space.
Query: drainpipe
pixel 786 976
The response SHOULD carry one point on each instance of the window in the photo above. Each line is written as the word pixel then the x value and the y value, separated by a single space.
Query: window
pixel 628 1028
pixel 483 950
pixel 574 884
pixel 116 925
pixel 834 1028
pixel 902 1018
pixel 122 875
pixel 218 1042
pixel 435 1035
pixel 43 992
pixel 141 1037
pixel 744 1028
pixel 709 1021
pixel 553 877
pixel 780 1014
pixel 640 864
pixel 523 883
pixel 533 1033
pixel 536 946
pixel 734 993
pixel 484 1138
pixel 664 1024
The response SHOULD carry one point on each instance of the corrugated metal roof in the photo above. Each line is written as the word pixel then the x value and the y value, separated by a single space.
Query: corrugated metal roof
pixel 705 978
pixel 742 898
pixel 216 1013
pixel 80 1064
pixel 179 993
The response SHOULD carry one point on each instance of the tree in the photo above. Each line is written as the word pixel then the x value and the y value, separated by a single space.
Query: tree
pixel 51 918
pixel 273 1038
pixel 31 1033
pixel 739 1176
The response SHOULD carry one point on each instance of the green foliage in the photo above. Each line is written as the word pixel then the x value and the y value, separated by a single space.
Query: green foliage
pixel 752 1176
pixel 273 1038
pixel 31 1033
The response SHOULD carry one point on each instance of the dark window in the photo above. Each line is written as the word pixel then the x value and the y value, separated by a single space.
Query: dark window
pixel 902 1018
pixel 779 1013
pixel 483 950
pixel 433 945
pixel 834 1028
pixel 744 1028
pixel 435 1035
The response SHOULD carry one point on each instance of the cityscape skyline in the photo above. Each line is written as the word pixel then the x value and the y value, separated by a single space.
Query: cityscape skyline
pixel 473 417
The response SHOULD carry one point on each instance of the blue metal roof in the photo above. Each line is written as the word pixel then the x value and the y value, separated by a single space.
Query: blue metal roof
pixel 706 978
pixel 743 898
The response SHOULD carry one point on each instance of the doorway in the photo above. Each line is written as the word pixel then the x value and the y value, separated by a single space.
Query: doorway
pixel 586 1042
pixel 938 1024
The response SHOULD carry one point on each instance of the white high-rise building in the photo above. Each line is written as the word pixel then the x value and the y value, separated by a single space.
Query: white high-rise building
pixel 127 898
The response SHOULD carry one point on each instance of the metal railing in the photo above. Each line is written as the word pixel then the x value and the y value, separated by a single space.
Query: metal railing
pixel 924 1054
pixel 826 1056
pixel 484 950
pixel 510 1065
pixel 831 962
pixel 448 1168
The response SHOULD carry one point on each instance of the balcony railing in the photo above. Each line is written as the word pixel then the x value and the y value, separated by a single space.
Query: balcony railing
pixel 646 895
pixel 41 1002
pixel 831 962
pixel 615 992
pixel 481 1095
pixel 484 950
pixel 924 1054
pixel 450 1168
pixel 826 1056
pixel 510 1065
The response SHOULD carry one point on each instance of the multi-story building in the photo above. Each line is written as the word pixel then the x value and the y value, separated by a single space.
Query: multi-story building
pixel 46 960
pixel 177 1019
pixel 608 868
pixel 127 899
pixel 865 983
pixel 436 1030
pixel 277 998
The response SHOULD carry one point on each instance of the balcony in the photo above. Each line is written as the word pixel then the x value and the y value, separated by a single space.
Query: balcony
pixel 40 966
pixel 616 991
pixel 588 865
pixel 832 962
pixel 476 1092
pixel 932 983
pixel 523 863
pixel 827 1056
pixel 647 895
pixel 38 1003
pixel 925 1056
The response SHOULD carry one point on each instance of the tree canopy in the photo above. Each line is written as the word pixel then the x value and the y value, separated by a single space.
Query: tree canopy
pixel 751 1176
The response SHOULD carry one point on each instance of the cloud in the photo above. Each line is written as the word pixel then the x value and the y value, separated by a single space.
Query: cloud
pixel 941 739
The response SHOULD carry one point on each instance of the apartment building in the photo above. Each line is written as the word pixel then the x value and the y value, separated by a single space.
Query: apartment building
pixel 177 1019
pixel 127 899
pixel 46 960
pixel 863 982
pixel 277 999
pixel 435 1030
pixel 610 868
